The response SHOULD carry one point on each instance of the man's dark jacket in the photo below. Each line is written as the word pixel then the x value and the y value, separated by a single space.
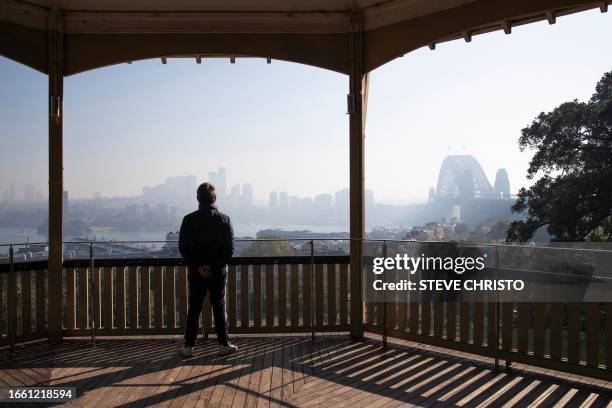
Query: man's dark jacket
pixel 206 238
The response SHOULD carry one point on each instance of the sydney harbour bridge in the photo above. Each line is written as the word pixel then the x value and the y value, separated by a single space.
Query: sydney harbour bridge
pixel 462 178
pixel 464 193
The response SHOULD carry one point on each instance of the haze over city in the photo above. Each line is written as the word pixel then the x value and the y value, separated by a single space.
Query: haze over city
pixel 283 126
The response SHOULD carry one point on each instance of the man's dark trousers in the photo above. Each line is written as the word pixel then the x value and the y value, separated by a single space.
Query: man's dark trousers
pixel 198 286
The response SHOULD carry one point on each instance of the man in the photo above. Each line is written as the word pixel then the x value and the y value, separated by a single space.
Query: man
pixel 206 242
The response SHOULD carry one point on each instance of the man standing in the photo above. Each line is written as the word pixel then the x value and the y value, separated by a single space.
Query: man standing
pixel 206 242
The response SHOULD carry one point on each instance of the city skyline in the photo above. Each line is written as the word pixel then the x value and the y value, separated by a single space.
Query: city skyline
pixel 283 126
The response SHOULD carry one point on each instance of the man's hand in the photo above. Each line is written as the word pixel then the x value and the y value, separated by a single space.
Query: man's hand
pixel 204 271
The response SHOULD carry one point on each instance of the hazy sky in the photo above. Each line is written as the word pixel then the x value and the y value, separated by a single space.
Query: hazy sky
pixel 283 126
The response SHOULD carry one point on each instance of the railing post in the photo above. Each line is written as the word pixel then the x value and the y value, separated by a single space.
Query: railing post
pixel 94 298
pixel 385 304
pixel 10 291
pixel 312 290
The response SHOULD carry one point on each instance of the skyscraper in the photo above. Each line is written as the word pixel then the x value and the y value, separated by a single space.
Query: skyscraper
pixel 283 200
pixel 246 199
pixel 219 180
pixel 323 201
pixel 273 203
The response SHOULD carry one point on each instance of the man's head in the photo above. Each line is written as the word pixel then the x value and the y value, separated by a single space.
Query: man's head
pixel 206 194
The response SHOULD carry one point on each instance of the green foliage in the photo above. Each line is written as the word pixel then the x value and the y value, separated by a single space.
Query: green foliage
pixel 573 159
pixel 461 229
pixel 268 248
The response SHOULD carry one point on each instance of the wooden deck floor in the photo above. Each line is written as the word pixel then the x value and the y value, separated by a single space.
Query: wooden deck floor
pixel 288 370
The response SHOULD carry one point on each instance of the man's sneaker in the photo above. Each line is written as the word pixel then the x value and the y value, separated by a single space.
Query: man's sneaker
pixel 227 349
pixel 186 351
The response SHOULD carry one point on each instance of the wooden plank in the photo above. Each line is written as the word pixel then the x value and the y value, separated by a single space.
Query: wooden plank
pixel 464 321
pixel 295 295
pixel 107 294
pixel 451 320
pixel 270 295
pixel 26 302
pixel 592 334
pixel 573 333
pixel 182 294
pixel 492 323
pixel 556 310
pixel 97 293
pixel 402 315
pixel 11 303
pixel 120 294
pixel 344 290
pixel 170 295
pixel 426 314
pixel 70 298
pixel 231 295
pixel 282 294
pixel 2 321
pixel 134 296
pixel 331 294
pixel 158 297
pixel 40 300
pixel 257 270
pixel 413 325
pixel 319 295
pixel 507 325
pixel 478 323
pixel 83 298
pixel 145 292
pixel 307 294
pixel 609 336
pixel 523 327
pixel 244 296
pixel 438 318
pixel 539 329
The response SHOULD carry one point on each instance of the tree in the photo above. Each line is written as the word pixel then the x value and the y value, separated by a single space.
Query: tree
pixel 573 160
pixel 268 248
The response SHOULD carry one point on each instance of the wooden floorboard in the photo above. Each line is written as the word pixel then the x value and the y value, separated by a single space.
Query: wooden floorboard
pixel 288 370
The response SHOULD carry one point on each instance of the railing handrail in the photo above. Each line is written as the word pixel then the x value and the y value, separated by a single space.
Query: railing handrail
pixel 381 240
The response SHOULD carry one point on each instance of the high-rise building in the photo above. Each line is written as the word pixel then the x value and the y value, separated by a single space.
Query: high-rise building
pixel 369 199
pixel 323 201
pixel 246 199
pixel 219 180
pixel 283 200
pixel 28 193
pixel 273 202
pixel 342 198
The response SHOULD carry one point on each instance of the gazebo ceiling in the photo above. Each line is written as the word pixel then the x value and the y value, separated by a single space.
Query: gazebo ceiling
pixel 314 32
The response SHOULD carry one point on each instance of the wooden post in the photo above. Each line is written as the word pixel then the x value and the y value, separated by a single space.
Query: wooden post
pixel 356 109
pixel 56 185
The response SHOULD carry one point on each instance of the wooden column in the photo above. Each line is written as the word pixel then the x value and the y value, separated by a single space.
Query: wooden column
pixel 56 169
pixel 356 110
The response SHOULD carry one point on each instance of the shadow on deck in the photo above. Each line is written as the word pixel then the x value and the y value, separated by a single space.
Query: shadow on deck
pixel 288 370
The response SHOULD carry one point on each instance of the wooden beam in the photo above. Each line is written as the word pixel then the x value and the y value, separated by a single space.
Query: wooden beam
pixel 358 103
pixel 56 169
pixel 467 36
pixel 432 46
pixel 604 7
pixel 551 16
pixel 507 27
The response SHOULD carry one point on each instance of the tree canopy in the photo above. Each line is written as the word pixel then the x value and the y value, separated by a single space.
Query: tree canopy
pixel 572 196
